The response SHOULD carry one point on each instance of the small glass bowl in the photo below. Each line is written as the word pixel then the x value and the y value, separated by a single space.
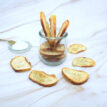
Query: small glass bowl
pixel 29 46
pixel 52 50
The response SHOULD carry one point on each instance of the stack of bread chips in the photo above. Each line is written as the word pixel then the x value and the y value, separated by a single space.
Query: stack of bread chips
pixel 52 49
pixel 21 64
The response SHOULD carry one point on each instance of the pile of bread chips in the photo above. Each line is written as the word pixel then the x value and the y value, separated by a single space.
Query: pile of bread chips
pixel 20 63
pixel 51 49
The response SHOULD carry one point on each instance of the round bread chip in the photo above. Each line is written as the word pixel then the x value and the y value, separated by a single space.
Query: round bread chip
pixel 57 58
pixel 83 62
pixel 20 63
pixel 75 76
pixel 42 78
pixel 50 53
pixel 76 48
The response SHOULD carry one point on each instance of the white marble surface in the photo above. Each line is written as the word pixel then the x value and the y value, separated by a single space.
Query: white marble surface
pixel 19 19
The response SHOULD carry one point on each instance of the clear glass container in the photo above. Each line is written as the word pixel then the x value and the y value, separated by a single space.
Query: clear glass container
pixel 20 49
pixel 52 50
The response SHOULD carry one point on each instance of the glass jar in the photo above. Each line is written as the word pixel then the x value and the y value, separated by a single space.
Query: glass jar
pixel 52 49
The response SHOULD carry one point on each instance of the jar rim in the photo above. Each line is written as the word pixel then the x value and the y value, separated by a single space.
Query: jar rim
pixel 41 34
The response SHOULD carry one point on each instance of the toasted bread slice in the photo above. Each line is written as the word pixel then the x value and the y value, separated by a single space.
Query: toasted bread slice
pixel 46 46
pixel 61 32
pixel 63 28
pixel 46 28
pixel 83 62
pixel 76 48
pixel 52 20
pixel 75 76
pixel 45 24
pixel 20 63
pixel 50 52
pixel 43 79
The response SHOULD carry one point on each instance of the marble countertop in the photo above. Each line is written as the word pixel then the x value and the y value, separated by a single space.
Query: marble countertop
pixel 19 19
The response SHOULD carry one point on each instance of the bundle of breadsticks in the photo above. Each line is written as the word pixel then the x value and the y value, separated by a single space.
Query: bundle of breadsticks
pixel 52 49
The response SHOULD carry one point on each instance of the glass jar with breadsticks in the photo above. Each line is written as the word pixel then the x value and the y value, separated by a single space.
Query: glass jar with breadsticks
pixel 52 41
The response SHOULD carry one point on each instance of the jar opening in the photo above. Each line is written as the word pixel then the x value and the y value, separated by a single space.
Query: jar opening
pixel 41 33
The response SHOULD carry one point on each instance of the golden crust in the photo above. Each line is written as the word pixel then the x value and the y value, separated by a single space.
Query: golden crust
pixel 83 62
pixel 63 28
pixel 61 32
pixel 52 20
pixel 75 76
pixel 76 48
pixel 35 75
pixel 45 24
pixel 21 70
